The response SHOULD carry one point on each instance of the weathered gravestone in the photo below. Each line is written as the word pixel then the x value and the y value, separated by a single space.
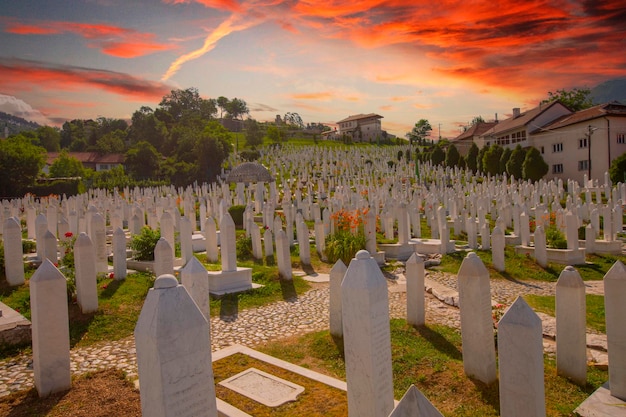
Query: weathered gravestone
pixel 479 352
pixel 334 305
pixel 520 349
pixel 415 404
pixel 571 344
pixel 174 354
pixel 86 274
pixel 415 302
pixel 615 311
pixel 13 252
pixel 119 254
pixel 51 333
pixel 367 338
pixel 195 278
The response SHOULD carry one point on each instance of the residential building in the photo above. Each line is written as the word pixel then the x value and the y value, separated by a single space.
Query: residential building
pixel 362 127
pixel 583 143
pixel 92 160
pixel 464 141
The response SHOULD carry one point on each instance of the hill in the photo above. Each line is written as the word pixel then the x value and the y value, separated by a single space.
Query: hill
pixel 612 90
pixel 15 124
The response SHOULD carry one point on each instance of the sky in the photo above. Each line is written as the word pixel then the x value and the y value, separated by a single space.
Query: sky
pixel 445 61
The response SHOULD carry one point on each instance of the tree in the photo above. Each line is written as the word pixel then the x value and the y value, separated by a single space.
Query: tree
pixel 253 134
pixel 20 164
pixel 66 166
pixel 184 105
pixel 294 120
pixel 112 142
pixel 504 158
pixel 142 161
pixel 275 134
pixel 49 138
pixel 617 171
pixel 515 162
pixel 236 108
pixel 452 156
pixel 575 99
pixel 438 156
pixel 534 167
pixel 491 160
pixel 471 160
pixel 211 148
pixel 222 102
pixel 479 159
pixel 146 127
pixel 420 132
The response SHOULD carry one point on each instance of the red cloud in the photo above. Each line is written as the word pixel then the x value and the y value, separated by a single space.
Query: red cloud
pixel 61 77
pixel 231 5
pixel 112 40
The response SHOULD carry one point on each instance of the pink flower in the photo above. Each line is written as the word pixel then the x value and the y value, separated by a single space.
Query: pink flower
pixel 104 287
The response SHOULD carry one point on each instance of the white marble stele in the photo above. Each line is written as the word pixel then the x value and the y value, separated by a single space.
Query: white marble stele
pixel 413 404
pixel 174 354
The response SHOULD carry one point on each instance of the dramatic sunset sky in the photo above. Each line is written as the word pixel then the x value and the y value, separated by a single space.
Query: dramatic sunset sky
pixel 445 61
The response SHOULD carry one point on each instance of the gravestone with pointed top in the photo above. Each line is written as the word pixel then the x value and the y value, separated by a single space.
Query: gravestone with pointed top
pixel 163 258
pixel 283 255
pixel 13 252
pixel 520 350
pixel 479 354
pixel 571 345
pixel 195 278
pixel 337 273
pixel 615 311
pixel 541 252
pixel 497 249
pixel 86 274
pixel 210 236
pixel 415 302
pixel 119 254
pixel 50 330
pixel 173 346
pixel 415 404
pixel 367 338
pixel 186 239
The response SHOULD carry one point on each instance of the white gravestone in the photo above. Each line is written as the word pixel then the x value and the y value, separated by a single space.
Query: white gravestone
pixel 497 249
pixel 367 338
pixel 479 353
pixel 337 273
pixel 163 258
pixel 13 252
pixel 541 253
pixel 615 311
pixel 520 350
pixel 50 330
pixel 119 254
pixel 50 247
pixel 86 274
pixel 415 404
pixel 268 243
pixel 228 244
pixel 174 354
pixel 283 255
pixel 571 344
pixel 210 236
pixel 415 302
pixel 186 239
pixel 195 278
pixel 98 238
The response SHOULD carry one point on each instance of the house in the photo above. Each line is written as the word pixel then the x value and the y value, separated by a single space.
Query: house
pixel 583 143
pixel 518 128
pixel 362 127
pixel 464 141
pixel 92 160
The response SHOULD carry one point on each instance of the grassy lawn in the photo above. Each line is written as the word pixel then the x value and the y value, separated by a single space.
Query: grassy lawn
pixel 524 268
pixel 595 308
pixel 430 357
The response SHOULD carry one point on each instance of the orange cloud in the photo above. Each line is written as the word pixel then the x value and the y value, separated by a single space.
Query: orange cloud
pixel 324 95
pixel 64 77
pixel 111 40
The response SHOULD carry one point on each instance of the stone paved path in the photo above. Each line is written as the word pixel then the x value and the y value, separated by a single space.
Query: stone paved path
pixel 255 326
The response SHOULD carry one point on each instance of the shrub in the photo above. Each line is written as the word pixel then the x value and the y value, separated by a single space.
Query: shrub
pixel 555 239
pixel 29 246
pixel 244 247
pixel 143 244
pixel 343 245
pixel 236 212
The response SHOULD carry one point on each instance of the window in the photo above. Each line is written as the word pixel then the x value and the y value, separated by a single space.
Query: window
pixel 583 165
pixel 557 168
pixel 557 147
pixel 621 138
pixel 582 143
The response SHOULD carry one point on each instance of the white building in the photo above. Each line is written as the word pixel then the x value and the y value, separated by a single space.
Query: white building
pixel 362 127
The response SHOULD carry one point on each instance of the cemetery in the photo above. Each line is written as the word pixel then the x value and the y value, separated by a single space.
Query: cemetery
pixel 313 283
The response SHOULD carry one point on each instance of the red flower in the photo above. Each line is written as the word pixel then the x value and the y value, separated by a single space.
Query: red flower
pixel 111 275
pixel 104 287
pixel 69 234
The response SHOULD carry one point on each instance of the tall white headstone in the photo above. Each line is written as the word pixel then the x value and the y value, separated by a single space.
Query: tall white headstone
pixel 479 352
pixel 13 252
pixel 210 236
pixel 415 303
pixel 186 239
pixel 520 350
pixel 196 280
pixel 571 344
pixel 497 249
pixel 50 330
pixel 336 277
pixel 541 253
pixel 163 258
pixel 367 338
pixel 86 275
pixel 283 255
pixel 228 244
pixel 615 311
pixel 174 354
pixel 119 254
pixel 415 404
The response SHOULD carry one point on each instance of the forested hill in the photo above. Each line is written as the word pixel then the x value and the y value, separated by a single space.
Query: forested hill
pixel 15 124
pixel 612 90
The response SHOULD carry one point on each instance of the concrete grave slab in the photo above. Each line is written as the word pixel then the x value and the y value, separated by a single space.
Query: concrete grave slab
pixel 262 387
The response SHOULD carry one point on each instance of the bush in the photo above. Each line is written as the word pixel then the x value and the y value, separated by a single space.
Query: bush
pixel 143 244
pixel 236 212
pixel 28 246
pixel 343 245
pixel 244 248
pixel 555 239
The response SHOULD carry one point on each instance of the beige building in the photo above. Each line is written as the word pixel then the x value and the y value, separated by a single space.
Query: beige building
pixel 361 127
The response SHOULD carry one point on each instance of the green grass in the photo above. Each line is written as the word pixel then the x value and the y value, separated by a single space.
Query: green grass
pixel 524 268
pixel 430 357
pixel 595 308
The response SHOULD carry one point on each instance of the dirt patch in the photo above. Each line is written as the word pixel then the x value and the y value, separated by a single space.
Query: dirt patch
pixel 100 394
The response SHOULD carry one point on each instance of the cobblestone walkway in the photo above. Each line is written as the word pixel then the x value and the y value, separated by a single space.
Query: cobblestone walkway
pixel 255 326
